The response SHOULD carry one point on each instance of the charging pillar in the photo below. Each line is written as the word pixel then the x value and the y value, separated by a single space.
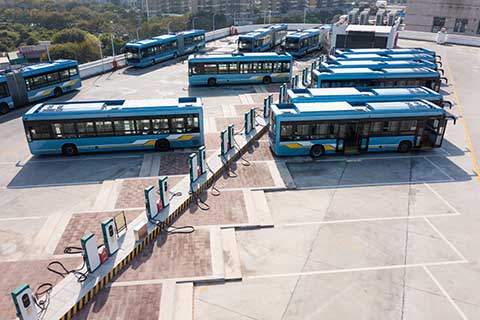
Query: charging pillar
pixel 266 107
pixel 292 83
pixel 247 122
pixel 202 159
pixel 281 94
pixel 150 202
pixel 90 249
pixel 193 164
pixel 314 65
pixel 295 79
pixel 163 187
pixel 110 236
pixel 24 304
pixel 230 133
pixel 252 118
pixel 270 99
pixel 223 142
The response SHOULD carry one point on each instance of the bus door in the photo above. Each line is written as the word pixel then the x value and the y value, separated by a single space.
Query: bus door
pixel 350 132
pixel 435 130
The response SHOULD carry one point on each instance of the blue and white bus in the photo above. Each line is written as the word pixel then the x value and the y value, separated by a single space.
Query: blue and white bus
pixel 386 57
pixel 259 67
pixel 375 65
pixel 6 101
pixel 367 78
pixel 148 52
pixel 75 127
pixel 322 128
pixel 362 95
pixel 36 82
pixel 300 43
pixel 387 51
pixel 263 39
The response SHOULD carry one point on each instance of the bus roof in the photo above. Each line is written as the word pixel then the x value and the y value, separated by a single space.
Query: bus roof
pixel 358 73
pixel 48 66
pixel 256 33
pixel 386 51
pixel 192 32
pixel 165 38
pixel 342 110
pixel 277 27
pixel 3 78
pixel 379 63
pixel 248 56
pixel 303 33
pixel 108 108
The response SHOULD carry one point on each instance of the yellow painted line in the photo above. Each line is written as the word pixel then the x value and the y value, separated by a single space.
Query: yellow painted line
pixel 464 122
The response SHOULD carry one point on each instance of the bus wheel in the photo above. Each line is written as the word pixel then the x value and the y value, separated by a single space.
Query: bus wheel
pixel 175 56
pixel 69 149
pixel 4 108
pixel 162 145
pixel 405 146
pixel 267 80
pixel 317 151
pixel 211 82
pixel 57 92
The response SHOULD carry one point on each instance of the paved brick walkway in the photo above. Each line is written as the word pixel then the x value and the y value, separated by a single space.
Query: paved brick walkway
pixel 131 193
pixel 242 108
pixel 80 223
pixel 255 175
pixel 174 163
pixel 227 208
pixel 222 123
pixel 260 150
pixel 212 141
pixel 172 256
pixel 32 272
pixel 140 302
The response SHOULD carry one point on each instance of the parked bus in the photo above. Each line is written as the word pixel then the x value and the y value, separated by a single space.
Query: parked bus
pixel 147 52
pixel 322 128
pixel 263 39
pixel 367 78
pixel 386 57
pixel 300 43
pixel 362 95
pixel 259 67
pixel 36 82
pixel 375 65
pixel 387 51
pixel 75 127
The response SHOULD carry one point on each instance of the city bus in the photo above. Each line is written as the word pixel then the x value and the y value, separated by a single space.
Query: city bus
pixel 259 67
pixel 362 95
pixel 148 52
pixel 300 43
pixel 321 128
pixel 367 78
pixel 387 51
pixel 263 39
pixel 70 128
pixel 375 65
pixel 36 82
pixel 385 57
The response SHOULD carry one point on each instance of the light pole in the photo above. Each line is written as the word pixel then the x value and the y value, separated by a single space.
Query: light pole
pixel 304 15
pixel 168 26
pixel 111 39
pixel 193 22
pixel 213 21
pixel 148 11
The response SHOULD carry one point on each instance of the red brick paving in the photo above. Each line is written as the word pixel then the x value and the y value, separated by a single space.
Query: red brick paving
pixel 258 97
pixel 222 123
pixel 242 108
pixel 140 302
pixel 174 163
pixel 212 140
pixel 131 193
pixel 81 223
pixel 171 256
pixel 32 272
pixel 259 150
pixel 255 175
pixel 227 208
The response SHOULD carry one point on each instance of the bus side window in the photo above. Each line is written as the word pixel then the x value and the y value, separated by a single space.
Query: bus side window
pixel 39 131
pixel 104 128
pixel 177 125
pixel 64 74
pixel 160 126
pixel 192 123
pixel 277 66
pixel 302 132
pixel 286 132
pixel 286 67
pixel 143 126
pixel 85 129
pixel 233 68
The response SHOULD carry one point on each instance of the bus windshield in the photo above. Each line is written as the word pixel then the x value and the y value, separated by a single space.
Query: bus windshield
pixel 291 44
pixel 132 54
pixel 245 44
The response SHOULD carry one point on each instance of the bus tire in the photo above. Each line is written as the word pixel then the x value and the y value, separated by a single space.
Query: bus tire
pixel 175 56
pixel 267 80
pixel 57 92
pixel 162 145
pixel 317 150
pixel 69 149
pixel 211 82
pixel 405 146
pixel 4 108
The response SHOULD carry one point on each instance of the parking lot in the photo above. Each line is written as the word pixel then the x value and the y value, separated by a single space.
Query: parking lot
pixel 372 236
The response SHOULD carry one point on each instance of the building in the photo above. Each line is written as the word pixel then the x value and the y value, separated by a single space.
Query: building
pixel 331 4
pixel 166 7
pixel 457 16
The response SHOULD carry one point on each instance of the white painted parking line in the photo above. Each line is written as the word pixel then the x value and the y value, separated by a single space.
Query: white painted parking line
pixel 347 270
pixel 442 198
pixel 90 157
pixel 439 169
pixel 379 184
pixel 445 293
pixel 23 218
pixel 445 239
pixel 50 185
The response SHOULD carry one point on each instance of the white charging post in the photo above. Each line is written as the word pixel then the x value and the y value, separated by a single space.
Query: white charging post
pixel 202 159
pixel 230 133
pixel 223 143
pixel 252 118
pixel 193 164
pixel 110 236
pixel 90 249
pixel 164 194
pixel 24 304
pixel 150 202
pixel 248 124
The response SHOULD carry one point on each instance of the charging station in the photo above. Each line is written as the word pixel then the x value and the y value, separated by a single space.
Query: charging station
pixel 253 115
pixel 266 107
pixel 90 249
pixel 24 304
pixel 202 160
pixel 230 133
pixel 150 202
pixel 164 194
pixel 295 79
pixel 223 142
pixel 110 236
pixel 193 164
pixel 248 124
